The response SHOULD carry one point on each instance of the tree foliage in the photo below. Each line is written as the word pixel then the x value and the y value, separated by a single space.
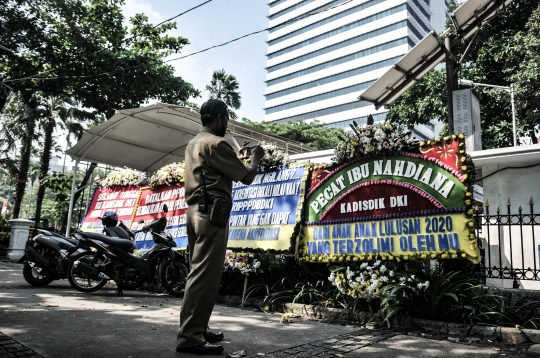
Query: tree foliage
pixel 80 50
pixel 313 134
pixel 503 52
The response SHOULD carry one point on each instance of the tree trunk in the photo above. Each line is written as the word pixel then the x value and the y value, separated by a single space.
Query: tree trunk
pixel 44 169
pixel 22 175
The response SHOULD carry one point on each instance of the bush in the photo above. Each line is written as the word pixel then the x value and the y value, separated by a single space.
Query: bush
pixel 451 297
pixel 5 234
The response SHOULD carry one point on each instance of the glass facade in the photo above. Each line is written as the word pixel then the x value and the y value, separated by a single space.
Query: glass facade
pixel 338 61
pixel 319 9
pixel 341 85
pixel 290 8
pixel 326 111
pixel 320 97
pixel 337 77
pixel 328 20
pixel 338 46
pixel 360 120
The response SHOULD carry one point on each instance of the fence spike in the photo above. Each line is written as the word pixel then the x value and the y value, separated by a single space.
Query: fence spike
pixel 531 202
pixel 508 202
pixel 498 209
pixel 487 202
pixel 520 209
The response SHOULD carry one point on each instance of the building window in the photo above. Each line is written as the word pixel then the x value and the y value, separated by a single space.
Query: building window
pixel 425 27
pixel 275 3
pixel 337 31
pixel 338 61
pixel 360 120
pixel 324 21
pixel 320 97
pixel 337 77
pixel 303 3
pixel 338 46
pixel 326 111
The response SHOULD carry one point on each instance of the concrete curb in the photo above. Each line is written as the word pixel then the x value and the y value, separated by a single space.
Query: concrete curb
pixel 455 331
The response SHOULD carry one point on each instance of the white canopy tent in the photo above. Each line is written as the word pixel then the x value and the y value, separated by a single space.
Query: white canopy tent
pixel 151 137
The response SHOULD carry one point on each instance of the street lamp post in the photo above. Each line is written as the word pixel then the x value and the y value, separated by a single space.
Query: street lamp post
pixel 510 89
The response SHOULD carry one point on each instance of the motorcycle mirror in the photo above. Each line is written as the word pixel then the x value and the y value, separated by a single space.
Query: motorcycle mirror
pixel 141 221
pixel 165 208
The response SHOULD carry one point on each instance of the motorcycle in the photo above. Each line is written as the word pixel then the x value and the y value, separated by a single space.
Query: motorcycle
pixel 47 256
pixel 114 227
pixel 112 260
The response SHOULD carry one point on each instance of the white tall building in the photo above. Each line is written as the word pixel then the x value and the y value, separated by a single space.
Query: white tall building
pixel 319 64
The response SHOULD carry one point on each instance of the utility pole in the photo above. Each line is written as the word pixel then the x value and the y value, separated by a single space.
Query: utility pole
pixel 451 76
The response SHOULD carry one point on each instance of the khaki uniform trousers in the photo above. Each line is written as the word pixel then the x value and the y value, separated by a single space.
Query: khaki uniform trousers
pixel 207 246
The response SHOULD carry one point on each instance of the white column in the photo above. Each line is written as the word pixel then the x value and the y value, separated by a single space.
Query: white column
pixel 73 183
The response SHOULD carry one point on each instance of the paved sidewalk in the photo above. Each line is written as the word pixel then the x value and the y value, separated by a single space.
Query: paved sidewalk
pixel 57 321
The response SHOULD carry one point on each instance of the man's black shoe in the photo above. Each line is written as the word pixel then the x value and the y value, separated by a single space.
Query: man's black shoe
pixel 204 348
pixel 214 337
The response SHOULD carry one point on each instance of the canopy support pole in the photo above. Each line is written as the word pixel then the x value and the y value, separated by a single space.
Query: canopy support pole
pixel 70 209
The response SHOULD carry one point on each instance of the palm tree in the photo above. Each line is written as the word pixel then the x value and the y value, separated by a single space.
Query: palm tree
pixel 225 87
pixel 71 119
pixel 19 119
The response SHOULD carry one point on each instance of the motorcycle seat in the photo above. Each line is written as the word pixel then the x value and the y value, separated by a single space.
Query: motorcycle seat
pixel 108 240
pixel 72 241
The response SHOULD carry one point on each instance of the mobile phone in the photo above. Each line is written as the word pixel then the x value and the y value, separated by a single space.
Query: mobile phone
pixel 249 150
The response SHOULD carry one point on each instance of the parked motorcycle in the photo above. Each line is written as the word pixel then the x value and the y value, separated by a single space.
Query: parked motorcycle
pixel 114 227
pixel 113 261
pixel 47 256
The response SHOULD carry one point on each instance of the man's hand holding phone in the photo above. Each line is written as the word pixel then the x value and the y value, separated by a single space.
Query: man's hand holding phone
pixel 253 151
pixel 256 152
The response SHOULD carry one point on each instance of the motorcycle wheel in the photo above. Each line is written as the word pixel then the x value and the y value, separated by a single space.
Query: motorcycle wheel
pixel 174 277
pixel 81 281
pixel 35 277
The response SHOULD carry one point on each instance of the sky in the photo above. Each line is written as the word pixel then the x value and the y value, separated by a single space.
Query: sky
pixel 214 23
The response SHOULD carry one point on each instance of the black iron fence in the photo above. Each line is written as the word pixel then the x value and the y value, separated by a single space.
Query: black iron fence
pixel 509 242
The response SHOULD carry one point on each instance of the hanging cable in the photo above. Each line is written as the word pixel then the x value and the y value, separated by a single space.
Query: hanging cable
pixel 125 40
pixel 181 57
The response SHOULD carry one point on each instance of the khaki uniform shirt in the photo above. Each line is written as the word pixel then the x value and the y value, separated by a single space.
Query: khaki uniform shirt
pixel 212 156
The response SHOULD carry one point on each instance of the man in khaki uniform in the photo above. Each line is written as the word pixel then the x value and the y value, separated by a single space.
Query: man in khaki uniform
pixel 211 159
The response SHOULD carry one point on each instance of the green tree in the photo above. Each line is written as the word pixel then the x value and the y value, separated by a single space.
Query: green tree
pixel 82 49
pixel 525 52
pixel 19 130
pixel 225 87
pixel 71 119
pixel 494 57
pixel 313 134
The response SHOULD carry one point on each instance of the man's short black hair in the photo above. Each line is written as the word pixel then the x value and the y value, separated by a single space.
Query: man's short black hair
pixel 210 109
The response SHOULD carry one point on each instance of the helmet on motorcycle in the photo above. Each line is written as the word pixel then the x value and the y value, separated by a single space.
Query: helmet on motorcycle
pixel 109 219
